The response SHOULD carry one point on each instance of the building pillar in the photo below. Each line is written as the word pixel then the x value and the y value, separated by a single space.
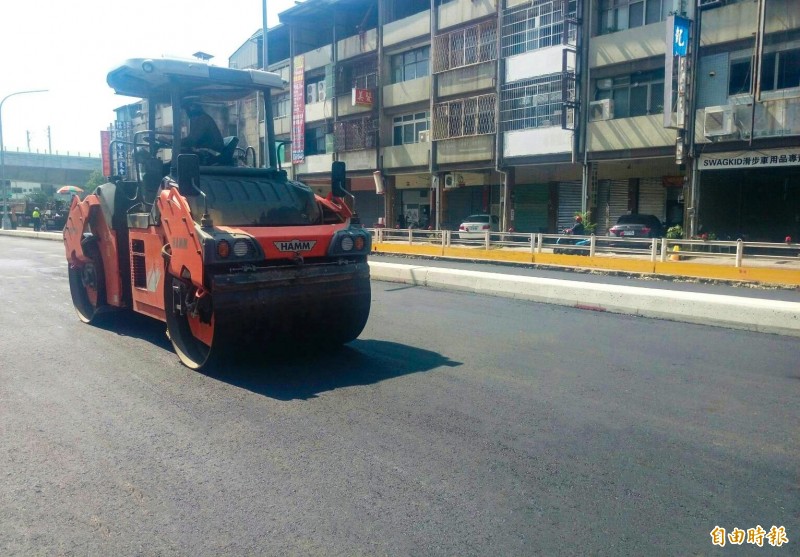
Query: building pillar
pixel 389 201
pixel 508 213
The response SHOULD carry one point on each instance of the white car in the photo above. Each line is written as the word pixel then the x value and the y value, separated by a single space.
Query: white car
pixel 474 227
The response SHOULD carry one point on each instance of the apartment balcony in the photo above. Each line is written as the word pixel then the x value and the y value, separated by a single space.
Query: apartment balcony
pixel 537 141
pixel 315 164
pixel 544 61
pixel 344 106
pixel 285 71
pixel 621 134
pixel 283 125
pixel 777 117
pixel 407 92
pixel 407 156
pixel 410 27
pixel 357 45
pixel 624 46
pixel 465 149
pixel 738 21
pixel 317 58
pixel 458 12
pixel 359 160
pixel 319 111
pixel 468 79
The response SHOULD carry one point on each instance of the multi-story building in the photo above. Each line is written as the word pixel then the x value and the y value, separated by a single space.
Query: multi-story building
pixel 747 128
pixel 533 110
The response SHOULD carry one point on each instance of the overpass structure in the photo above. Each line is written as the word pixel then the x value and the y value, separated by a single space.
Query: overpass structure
pixel 48 170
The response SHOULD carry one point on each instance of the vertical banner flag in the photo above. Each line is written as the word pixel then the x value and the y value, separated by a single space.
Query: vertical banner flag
pixel 298 110
pixel 105 142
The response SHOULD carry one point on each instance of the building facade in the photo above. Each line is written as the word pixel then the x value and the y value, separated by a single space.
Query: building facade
pixel 533 110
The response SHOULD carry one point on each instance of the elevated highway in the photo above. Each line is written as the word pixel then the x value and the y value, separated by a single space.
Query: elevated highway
pixel 44 168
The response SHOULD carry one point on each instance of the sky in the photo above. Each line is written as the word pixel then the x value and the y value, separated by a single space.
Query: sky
pixel 68 48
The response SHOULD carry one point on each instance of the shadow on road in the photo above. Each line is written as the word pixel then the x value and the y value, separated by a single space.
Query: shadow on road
pixel 136 325
pixel 295 372
pixel 286 376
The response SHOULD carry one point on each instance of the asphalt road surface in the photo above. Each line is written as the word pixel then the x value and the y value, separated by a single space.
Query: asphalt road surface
pixel 456 425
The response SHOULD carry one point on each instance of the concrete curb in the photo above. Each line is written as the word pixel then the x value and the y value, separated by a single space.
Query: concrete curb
pixel 57 236
pixel 765 316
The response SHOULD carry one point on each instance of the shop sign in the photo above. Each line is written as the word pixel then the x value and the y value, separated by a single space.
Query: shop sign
pixel 750 159
pixel 105 143
pixel 362 97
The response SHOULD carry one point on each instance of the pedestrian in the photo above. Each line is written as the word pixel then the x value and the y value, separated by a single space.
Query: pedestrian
pixel 401 220
pixel 36 217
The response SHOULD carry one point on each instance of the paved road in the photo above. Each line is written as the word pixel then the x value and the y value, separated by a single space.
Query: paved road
pixel 457 425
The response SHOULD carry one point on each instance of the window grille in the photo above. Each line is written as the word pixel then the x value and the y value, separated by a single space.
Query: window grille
pixel 537 25
pixel 363 75
pixel 464 47
pixel 355 135
pixel 464 117
pixel 535 103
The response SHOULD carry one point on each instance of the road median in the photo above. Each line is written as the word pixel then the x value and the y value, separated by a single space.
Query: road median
pixel 766 316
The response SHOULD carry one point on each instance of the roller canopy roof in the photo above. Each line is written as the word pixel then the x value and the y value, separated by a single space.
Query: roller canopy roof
pixel 155 78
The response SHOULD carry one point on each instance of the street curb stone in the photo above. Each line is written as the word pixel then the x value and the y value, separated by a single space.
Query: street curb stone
pixel 766 316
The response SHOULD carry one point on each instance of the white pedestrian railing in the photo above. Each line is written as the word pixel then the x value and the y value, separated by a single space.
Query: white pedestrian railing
pixel 736 253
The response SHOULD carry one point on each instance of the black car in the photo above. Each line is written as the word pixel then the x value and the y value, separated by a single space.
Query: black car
pixel 637 226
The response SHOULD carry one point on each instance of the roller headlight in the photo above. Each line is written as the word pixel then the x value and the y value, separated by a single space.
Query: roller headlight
pixel 347 243
pixel 241 248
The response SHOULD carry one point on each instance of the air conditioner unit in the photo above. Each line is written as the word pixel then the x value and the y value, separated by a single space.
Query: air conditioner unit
pixel 601 110
pixel 605 84
pixel 424 136
pixel 450 181
pixel 718 121
pixel 322 94
pixel 311 93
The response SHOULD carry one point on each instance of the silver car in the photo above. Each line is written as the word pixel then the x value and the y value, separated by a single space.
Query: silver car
pixel 474 227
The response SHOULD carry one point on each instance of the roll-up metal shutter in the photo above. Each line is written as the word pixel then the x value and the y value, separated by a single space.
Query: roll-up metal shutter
pixel 652 197
pixel 612 201
pixel 461 203
pixel 569 203
pixel 369 207
pixel 530 207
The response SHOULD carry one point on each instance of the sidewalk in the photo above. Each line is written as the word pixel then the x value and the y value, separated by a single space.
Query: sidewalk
pixel 772 271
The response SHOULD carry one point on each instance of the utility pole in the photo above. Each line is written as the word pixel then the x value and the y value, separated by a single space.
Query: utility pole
pixel 28 139
pixel 49 142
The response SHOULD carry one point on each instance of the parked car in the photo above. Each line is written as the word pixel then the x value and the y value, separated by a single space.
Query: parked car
pixel 637 226
pixel 474 227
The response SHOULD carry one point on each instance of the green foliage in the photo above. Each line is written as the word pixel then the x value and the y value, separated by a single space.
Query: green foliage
pixel 40 199
pixel 96 178
pixel 675 232
pixel 589 225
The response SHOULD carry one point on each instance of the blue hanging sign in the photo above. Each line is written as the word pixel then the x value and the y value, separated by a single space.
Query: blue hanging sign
pixel 680 36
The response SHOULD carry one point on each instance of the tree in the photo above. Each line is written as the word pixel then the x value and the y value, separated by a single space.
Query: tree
pixel 96 178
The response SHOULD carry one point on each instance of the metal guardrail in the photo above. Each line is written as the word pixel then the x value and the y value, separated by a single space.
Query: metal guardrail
pixel 654 249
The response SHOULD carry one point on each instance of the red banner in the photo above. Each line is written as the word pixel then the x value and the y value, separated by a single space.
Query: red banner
pixel 362 97
pixel 299 111
pixel 105 143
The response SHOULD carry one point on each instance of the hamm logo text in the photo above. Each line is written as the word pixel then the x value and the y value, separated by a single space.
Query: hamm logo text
pixel 296 245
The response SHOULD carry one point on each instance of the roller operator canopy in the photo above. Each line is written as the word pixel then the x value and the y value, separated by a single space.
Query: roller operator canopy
pixel 158 78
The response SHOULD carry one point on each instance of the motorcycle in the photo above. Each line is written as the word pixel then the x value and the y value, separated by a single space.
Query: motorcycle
pixel 565 245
